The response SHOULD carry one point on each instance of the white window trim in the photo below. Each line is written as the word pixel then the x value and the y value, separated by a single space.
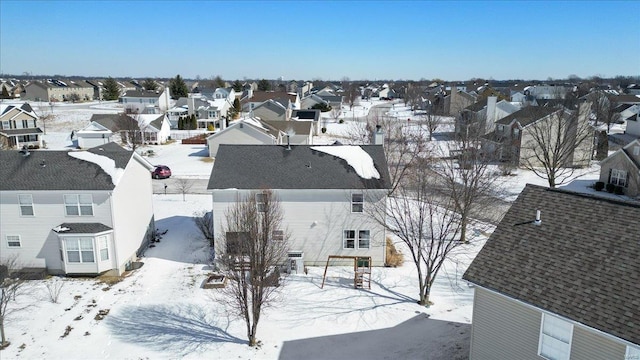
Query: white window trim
pixel 619 179
pixel 20 205
pixel 100 240
pixel 261 205
pixel 77 204
pixel 636 150
pixel 353 203
pixel 632 353
pixel 277 235
pixel 13 236
pixel 356 239
pixel 77 239
pixel 541 334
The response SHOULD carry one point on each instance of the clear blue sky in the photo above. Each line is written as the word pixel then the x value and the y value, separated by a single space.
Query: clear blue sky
pixel 305 40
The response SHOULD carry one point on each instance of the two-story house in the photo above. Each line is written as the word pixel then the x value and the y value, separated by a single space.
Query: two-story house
pixel 558 279
pixel 479 118
pixel 327 195
pixel 75 212
pixel 19 127
pixel 146 102
pixel 622 168
pixel 58 90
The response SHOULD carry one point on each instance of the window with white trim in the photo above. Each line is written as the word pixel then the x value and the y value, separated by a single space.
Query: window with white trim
pixel 104 248
pixel 618 177
pixel 356 239
pixel 633 353
pixel 261 202
pixel 357 202
pixel 13 241
pixel 6 125
pixel 26 204
pixel 636 150
pixel 78 205
pixel 277 235
pixel 79 250
pixel 555 338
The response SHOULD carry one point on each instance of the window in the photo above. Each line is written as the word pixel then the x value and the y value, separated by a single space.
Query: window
pixel 5 124
pixel 555 338
pixel 26 205
pixel 357 203
pixel 278 235
pixel 13 241
pixel 104 248
pixel 516 132
pixel 633 353
pixel 78 205
pixel 618 177
pixel 363 239
pixel 261 202
pixel 636 150
pixel 79 250
pixel 25 124
pixel 212 114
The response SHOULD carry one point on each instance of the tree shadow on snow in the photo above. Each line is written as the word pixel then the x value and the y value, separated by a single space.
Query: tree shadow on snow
pixel 169 327
pixel 200 151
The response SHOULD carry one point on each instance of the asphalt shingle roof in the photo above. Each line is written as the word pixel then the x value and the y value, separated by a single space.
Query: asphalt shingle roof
pixel 84 228
pixel 275 167
pixel 582 262
pixel 527 116
pixel 57 170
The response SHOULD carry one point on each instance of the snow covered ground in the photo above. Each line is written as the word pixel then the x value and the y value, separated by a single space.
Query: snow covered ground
pixel 161 310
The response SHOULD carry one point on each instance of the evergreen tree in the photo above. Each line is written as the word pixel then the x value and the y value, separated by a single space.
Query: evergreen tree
pixel 111 90
pixel 237 106
pixel 219 82
pixel 5 93
pixel 178 88
pixel 194 122
pixel 264 85
pixel 180 123
pixel 237 86
pixel 150 84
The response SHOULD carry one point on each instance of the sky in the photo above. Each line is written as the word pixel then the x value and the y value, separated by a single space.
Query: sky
pixel 326 40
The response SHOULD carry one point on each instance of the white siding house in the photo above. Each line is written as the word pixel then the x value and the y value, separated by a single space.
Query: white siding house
pixel 326 196
pixel 241 132
pixel 75 212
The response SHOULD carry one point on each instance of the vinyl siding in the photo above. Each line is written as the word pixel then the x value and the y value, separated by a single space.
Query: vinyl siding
pixel 238 135
pixel 316 220
pixel 507 329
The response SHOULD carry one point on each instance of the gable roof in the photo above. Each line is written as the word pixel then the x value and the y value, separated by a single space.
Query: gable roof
pixel 582 262
pixel 276 167
pixel 142 94
pixel 311 114
pixel 109 121
pixel 261 96
pixel 527 115
pixel 298 127
pixel 272 105
pixel 57 170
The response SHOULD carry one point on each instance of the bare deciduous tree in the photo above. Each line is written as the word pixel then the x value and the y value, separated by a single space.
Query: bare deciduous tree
pixel 12 287
pixel 130 131
pixel 255 241
pixel 183 185
pixel 54 289
pixel 603 108
pixel 204 223
pixel 553 147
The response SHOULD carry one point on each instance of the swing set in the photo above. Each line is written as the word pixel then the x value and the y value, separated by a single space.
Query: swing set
pixel 361 269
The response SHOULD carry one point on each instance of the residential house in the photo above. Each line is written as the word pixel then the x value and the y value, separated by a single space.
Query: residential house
pixel 512 140
pixel 272 110
pixel 310 101
pixel 479 118
pixel 633 89
pixel 633 126
pixel 19 127
pixel 458 100
pixel 326 193
pixel 292 132
pixel 58 90
pixel 156 128
pixel 255 98
pixel 75 212
pixel 308 115
pixel 622 168
pixel 100 131
pixel 245 131
pixel 146 102
pixel 558 279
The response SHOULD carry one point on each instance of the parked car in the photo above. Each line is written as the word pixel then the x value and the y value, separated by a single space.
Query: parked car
pixel 161 172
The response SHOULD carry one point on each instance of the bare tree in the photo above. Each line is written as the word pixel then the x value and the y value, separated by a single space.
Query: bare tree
pixel 425 222
pixel 603 108
pixel 130 131
pixel 183 185
pixel 351 93
pixel 204 223
pixel 553 147
pixel 431 120
pixel 336 112
pixel 12 286
pixel 256 245
pixel 44 119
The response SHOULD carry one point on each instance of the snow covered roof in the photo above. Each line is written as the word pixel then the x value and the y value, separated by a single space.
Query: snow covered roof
pixel 357 158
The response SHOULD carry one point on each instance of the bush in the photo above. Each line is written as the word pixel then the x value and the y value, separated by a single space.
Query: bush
pixel 599 186
pixel 324 130
pixel 210 127
pixel 618 190
pixel 393 257
pixel 341 121
pixel 610 188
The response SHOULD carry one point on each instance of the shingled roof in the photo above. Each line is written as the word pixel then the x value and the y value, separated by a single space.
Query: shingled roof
pixel 527 116
pixel 57 170
pixel 582 262
pixel 301 167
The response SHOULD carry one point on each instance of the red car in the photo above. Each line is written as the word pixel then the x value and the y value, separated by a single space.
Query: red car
pixel 161 172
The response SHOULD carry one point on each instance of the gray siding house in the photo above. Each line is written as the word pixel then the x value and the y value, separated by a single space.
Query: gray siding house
pixel 326 196
pixel 558 279
pixel 622 168
pixel 75 212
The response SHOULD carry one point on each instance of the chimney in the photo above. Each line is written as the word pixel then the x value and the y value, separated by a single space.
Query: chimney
pixel 491 111
pixel 191 104
pixel 377 138
pixel 537 222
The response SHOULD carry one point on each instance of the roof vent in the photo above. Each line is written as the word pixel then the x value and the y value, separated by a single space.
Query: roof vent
pixel 43 163
pixel 537 221
pixel 25 151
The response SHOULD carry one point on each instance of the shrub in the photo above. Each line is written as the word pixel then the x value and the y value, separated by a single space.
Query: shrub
pixel 324 130
pixel 393 257
pixel 610 187
pixel 341 121
pixel 210 127
pixel 599 186
pixel 618 190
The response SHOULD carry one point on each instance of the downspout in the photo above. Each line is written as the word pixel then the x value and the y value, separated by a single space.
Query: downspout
pixel 113 239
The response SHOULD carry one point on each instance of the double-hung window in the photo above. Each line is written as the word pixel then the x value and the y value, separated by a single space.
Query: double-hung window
pixel 104 248
pixel 261 202
pixel 555 338
pixel 13 241
pixel 618 177
pixel 78 205
pixel 79 250
pixel 357 202
pixel 277 235
pixel 356 239
pixel 26 205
